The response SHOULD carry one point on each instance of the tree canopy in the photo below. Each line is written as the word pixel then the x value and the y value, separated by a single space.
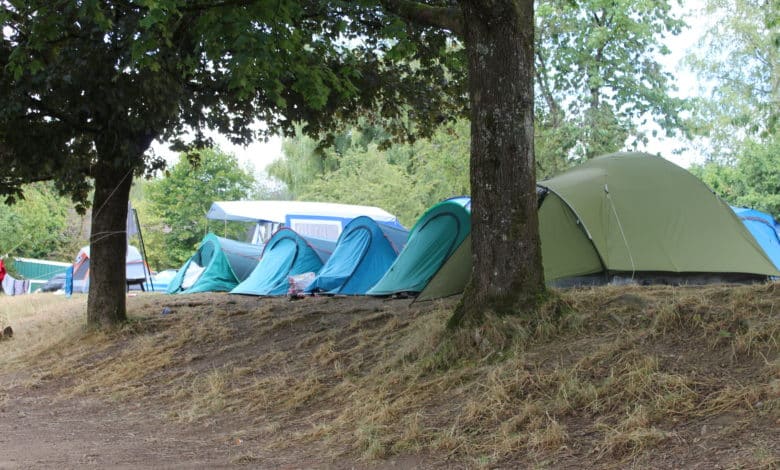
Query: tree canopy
pixel 738 61
pixel 85 87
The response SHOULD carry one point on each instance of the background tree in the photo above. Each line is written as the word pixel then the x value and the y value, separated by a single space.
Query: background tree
pixel 40 226
pixel 752 180
pixel 403 179
pixel 85 87
pixel 598 77
pixel 174 207
pixel 598 81
pixel 738 61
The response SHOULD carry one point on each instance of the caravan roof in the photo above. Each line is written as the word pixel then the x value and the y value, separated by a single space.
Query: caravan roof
pixel 323 220
pixel 282 211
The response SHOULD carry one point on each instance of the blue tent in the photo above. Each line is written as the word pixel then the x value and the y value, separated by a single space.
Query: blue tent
pixel 364 252
pixel 433 239
pixel 764 229
pixel 218 265
pixel 286 254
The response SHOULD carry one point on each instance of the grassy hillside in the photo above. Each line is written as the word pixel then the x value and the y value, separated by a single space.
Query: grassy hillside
pixel 653 377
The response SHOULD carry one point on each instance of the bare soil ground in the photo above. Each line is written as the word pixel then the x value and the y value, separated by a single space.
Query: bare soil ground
pixel 609 377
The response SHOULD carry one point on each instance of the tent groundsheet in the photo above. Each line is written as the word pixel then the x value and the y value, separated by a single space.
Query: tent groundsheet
pixel 286 254
pixel 218 265
pixel 364 252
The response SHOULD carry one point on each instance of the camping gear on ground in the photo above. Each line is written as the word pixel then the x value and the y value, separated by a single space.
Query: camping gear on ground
pixel 364 252
pixel 218 265
pixel 433 239
pixel 762 227
pixel 286 254
pixel 298 284
pixel 322 220
pixel 632 217
pixel 135 268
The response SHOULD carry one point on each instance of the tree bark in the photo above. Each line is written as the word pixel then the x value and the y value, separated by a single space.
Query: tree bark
pixel 108 241
pixel 507 275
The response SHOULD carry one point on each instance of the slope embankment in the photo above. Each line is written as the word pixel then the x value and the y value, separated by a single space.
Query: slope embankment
pixel 655 377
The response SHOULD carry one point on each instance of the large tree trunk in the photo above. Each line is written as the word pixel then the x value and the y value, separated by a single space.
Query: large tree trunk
pixel 507 276
pixel 108 240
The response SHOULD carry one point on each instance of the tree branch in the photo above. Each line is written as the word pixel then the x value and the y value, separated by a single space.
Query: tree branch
pixel 449 18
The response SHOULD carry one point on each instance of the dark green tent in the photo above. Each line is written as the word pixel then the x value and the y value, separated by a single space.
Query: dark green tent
pixel 636 216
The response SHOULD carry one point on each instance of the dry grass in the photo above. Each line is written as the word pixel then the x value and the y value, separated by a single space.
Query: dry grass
pixel 40 322
pixel 616 375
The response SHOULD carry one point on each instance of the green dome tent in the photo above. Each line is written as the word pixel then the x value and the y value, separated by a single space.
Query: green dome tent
pixel 218 265
pixel 636 216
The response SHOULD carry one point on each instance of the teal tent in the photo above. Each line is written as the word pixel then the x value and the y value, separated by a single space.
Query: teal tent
pixel 364 252
pixel 286 254
pixel 433 239
pixel 218 265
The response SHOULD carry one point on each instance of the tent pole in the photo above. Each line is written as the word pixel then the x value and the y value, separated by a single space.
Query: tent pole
pixel 147 269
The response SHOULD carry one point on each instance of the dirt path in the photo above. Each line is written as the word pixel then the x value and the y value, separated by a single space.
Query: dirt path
pixel 39 432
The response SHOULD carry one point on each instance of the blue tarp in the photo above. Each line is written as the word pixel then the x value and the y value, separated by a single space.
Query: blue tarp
pixel 764 229
pixel 364 252
pixel 286 254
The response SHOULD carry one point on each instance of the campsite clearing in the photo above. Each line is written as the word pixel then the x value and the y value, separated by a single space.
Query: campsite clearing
pixel 609 377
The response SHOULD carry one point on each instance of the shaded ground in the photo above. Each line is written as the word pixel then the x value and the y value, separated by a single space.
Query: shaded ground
pixel 610 377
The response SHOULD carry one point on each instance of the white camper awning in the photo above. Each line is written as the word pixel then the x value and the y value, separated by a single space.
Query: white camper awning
pixel 277 211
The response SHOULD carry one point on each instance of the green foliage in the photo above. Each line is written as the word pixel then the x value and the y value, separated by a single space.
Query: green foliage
pixel 98 81
pixel 174 209
pixel 753 180
pixel 739 60
pixel 40 226
pixel 597 76
pixel 404 179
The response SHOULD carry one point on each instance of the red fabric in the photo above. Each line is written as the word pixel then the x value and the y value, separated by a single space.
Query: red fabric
pixel 2 271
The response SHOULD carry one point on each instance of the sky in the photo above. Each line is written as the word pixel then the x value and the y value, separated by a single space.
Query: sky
pixel 261 154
